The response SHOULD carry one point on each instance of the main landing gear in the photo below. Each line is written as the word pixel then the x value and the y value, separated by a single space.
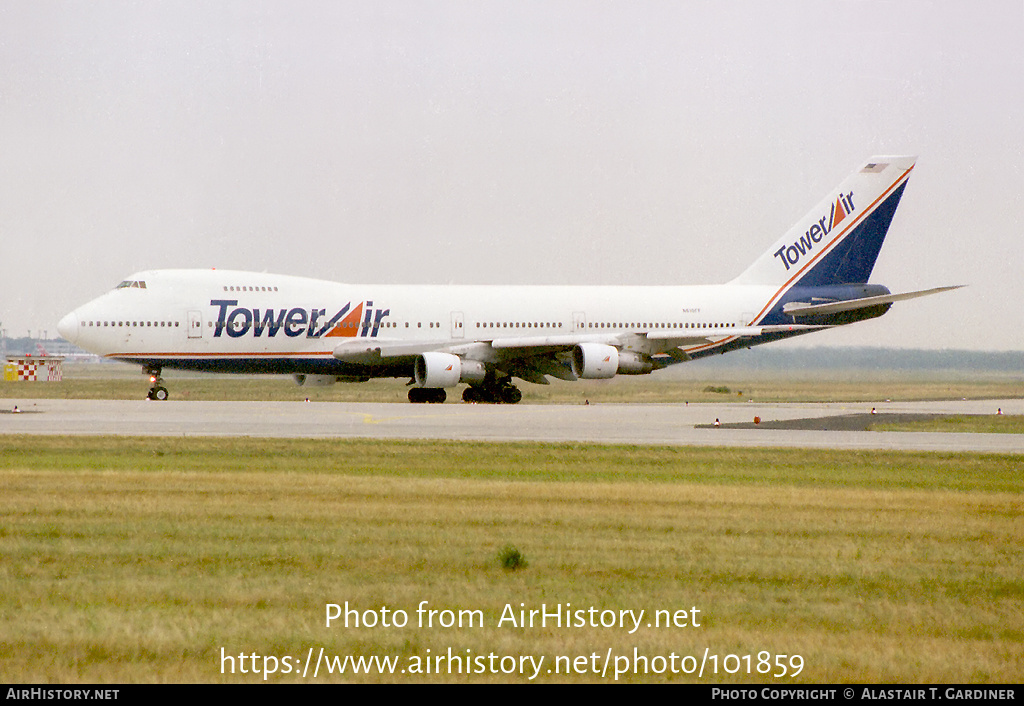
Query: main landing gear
pixel 494 392
pixel 157 391
pixel 433 395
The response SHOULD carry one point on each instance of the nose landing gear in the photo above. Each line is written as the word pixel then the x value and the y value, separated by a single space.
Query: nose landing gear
pixel 157 391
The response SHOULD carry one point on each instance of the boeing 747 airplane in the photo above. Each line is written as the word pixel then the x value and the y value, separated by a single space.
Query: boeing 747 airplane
pixel 813 277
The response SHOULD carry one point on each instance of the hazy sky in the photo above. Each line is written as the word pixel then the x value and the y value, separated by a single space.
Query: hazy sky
pixel 509 142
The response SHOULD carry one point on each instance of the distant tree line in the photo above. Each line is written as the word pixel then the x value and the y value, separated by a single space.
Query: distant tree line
pixel 768 358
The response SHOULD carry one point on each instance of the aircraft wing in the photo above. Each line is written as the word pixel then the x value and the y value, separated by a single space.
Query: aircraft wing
pixel 806 309
pixel 533 357
pixel 369 352
pixel 668 335
pixel 374 350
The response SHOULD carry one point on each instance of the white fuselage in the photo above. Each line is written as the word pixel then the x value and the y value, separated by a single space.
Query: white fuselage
pixel 183 317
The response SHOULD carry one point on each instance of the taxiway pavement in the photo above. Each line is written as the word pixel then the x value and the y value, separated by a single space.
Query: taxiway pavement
pixel 658 424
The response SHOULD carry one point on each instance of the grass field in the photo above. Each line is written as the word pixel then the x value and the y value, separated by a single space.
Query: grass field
pixel 963 423
pixel 140 559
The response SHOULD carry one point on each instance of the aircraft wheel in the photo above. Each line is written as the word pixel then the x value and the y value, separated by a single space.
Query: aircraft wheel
pixel 474 394
pixel 433 395
pixel 511 394
pixel 160 393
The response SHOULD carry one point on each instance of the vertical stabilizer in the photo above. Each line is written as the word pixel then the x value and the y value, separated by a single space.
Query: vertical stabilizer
pixel 839 240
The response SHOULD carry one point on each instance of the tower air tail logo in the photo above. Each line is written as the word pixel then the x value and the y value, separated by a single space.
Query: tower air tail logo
pixel 791 254
pixel 838 213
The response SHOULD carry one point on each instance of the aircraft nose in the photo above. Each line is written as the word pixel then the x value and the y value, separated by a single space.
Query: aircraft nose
pixel 68 327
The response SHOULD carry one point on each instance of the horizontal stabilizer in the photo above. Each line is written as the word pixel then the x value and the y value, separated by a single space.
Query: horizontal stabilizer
pixel 805 309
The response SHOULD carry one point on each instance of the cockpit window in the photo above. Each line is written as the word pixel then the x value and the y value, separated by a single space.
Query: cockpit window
pixel 138 284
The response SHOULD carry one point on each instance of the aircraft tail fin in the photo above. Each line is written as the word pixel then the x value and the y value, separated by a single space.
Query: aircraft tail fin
pixel 839 240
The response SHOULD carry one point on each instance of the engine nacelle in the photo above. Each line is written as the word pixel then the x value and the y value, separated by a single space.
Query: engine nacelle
pixel 473 372
pixel 595 361
pixel 631 363
pixel 437 370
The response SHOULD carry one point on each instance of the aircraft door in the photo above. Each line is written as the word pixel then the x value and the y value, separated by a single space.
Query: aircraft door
pixel 195 324
pixel 458 328
pixel 579 321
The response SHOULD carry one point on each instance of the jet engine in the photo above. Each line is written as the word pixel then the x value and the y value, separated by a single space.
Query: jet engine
pixel 597 361
pixel 446 370
pixel 594 361
pixel 437 370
